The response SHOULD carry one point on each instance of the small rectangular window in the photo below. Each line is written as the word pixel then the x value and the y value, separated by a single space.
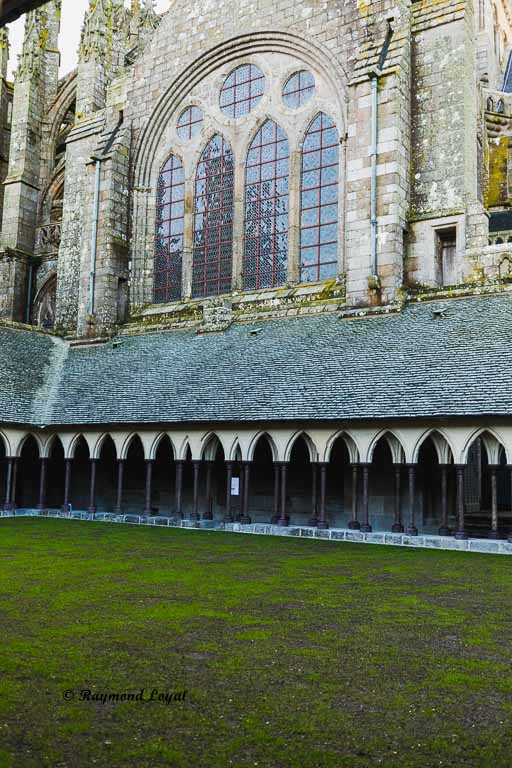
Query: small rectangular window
pixel 446 249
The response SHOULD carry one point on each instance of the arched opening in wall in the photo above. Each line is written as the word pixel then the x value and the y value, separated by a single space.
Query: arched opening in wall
pixel 80 475
pixel 338 485
pixel 55 475
pixel 429 490
pixel 26 491
pixel 262 505
pixel 486 495
pixel 65 127
pixel 213 506
pixel 382 487
pixel 164 474
pixel 300 483
pixel 106 476
pixel 44 308
pixel 3 471
pixel 135 478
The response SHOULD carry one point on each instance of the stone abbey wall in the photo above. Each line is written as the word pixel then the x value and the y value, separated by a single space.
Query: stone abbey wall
pixel 115 119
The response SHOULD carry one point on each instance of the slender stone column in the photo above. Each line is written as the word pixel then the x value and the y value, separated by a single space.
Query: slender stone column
pixel 92 491
pixel 197 469
pixel 322 522
pixel 411 529
pixel 493 533
pixel 275 507
pixel 208 515
pixel 397 526
pixel 444 529
pixel 178 489
pixel 41 505
pixel 314 494
pixel 509 466
pixel 283 517
pixel 15 465
pixel 228 517
pixel 118 509
pixel 460 533
pixel 244 517
pixel 149 487
pixel 354 524
pixel 8 486
pixel 67 484
pixel 366 527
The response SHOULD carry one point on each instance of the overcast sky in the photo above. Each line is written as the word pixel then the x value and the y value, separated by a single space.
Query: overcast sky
pixel 72 17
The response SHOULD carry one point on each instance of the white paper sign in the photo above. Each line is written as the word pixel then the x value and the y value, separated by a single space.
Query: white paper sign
pixel 235 486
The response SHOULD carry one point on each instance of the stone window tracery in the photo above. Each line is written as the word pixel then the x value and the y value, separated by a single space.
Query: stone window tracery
pixel 319 201
pixel 299 88
pixel 242 90
pixel 169 231
pixel 266 209
pixel 189 123
pixel 213 220
pixel 288 153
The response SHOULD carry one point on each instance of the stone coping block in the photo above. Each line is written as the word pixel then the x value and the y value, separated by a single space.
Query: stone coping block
pixel 425 541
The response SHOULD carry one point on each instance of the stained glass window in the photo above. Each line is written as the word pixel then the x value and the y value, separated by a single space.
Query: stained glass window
pixel 189 122
pixel 242 90
pixel 266 209
pixel 213 220
pixel 319 201
pixel 169 231
pixel 299 88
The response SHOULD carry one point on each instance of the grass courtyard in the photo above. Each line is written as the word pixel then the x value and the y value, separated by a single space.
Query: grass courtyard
pixel 291 653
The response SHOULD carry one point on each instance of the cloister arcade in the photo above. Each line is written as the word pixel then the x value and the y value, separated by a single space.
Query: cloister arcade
pixel 447 481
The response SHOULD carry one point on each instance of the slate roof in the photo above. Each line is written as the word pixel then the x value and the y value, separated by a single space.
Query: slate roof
pixel 413 364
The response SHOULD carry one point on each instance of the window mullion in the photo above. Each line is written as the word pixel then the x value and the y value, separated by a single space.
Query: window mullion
pixel 293 266
pixel 188 237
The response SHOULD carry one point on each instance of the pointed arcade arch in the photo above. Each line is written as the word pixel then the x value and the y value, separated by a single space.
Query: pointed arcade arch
pixel 266 208
pixel 213 220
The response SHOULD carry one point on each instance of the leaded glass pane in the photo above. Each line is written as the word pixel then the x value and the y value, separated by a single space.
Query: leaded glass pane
pixel 242 90
pixel 266 209
pixel 213 220
pixel 319 200
pixel 299 88
pixel 169 232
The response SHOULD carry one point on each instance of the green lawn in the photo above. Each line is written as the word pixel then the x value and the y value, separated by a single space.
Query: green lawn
pixel 291 652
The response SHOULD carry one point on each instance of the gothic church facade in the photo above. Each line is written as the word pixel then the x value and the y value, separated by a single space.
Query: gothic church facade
pixel 256 264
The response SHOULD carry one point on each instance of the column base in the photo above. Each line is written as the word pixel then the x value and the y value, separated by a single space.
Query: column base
pixel 194 517
pixel 460 535
pixel 494 535
pixel 354 525
pixel 313 522
pixel 366 528
pixel 118 511
pixel 92 510
pixel 411 531
pixel 323 525
pixel 228 519
pixel 147 512
pixel 207 516
pixel 444 530
pixel 245 519
pixel 397 528
pixel 283 521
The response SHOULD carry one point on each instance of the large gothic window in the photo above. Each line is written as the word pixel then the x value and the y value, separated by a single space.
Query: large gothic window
pixel 213 220
pixel 266 209
pixel 170 213
pixel 319 201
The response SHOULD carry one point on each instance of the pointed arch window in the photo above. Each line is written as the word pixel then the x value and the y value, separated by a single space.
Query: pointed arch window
pixel 170 213
pixel 213 220
pixel 319 201
pixel 266 209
